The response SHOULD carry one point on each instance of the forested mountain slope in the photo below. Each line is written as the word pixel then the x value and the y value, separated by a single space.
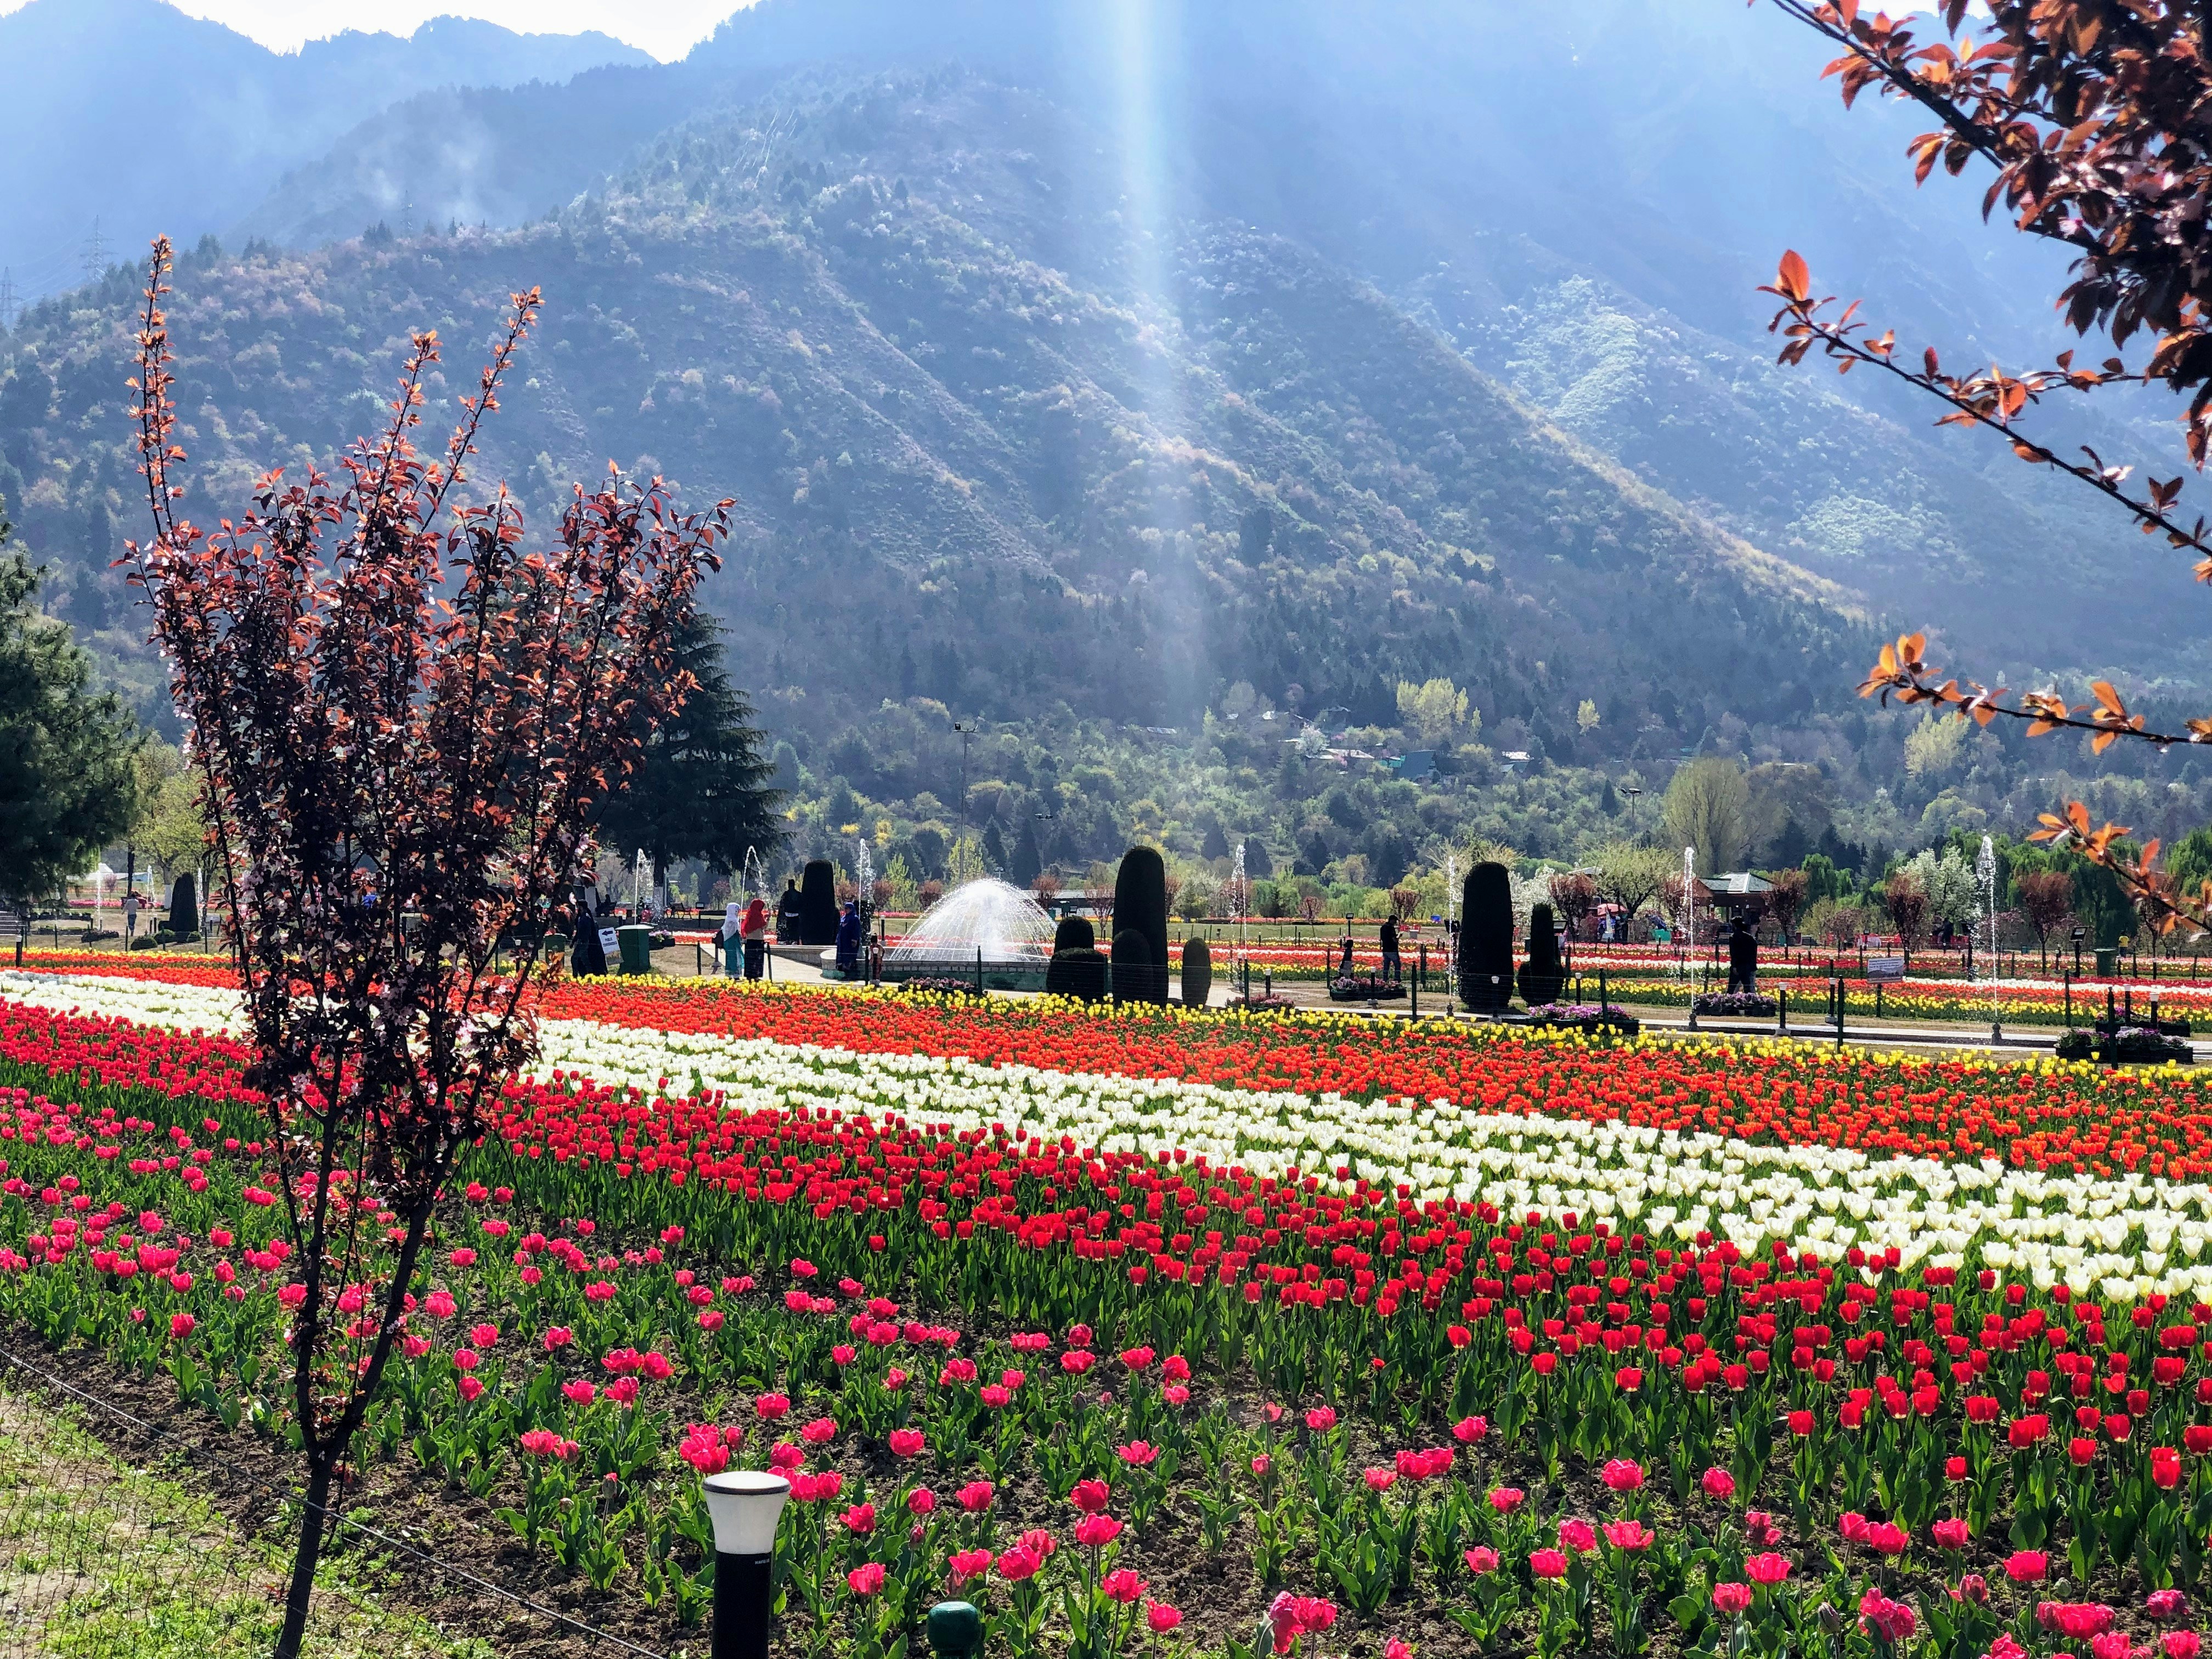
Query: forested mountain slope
pixel 962 471
pixel 1584 199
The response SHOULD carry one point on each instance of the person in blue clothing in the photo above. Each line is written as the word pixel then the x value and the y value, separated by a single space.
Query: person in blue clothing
pixel 848 940
pixel 729 939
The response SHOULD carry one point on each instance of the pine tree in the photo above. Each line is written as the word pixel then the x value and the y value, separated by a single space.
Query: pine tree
pixel 1029 858
pixel 67 771
pixel 703 788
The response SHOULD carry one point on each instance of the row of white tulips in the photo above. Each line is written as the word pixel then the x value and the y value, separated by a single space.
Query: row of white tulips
pixel 2122 1238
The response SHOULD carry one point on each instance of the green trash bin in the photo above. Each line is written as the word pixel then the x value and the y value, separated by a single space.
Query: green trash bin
pixel 2108 961
pixel 636 949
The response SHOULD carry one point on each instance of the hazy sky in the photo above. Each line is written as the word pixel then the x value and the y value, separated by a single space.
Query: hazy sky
pixel 666 28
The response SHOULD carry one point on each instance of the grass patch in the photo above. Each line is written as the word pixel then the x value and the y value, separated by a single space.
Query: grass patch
pixel 102 1560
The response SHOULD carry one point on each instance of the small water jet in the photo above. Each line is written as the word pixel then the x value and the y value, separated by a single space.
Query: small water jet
pixel 986 921
pixel 1239 902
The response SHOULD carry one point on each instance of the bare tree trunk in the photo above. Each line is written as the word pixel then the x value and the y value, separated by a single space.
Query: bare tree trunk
pixel 301 1590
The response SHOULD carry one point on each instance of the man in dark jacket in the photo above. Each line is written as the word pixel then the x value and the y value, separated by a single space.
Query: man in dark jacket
pixel 786 914
pixel 849 935
pixel 588 955
pixel 1743 957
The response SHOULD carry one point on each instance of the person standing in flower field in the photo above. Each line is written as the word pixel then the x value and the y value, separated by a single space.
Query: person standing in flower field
pixel 388 693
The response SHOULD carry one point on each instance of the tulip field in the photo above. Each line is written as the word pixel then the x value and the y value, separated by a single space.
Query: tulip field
pixel 1155 1332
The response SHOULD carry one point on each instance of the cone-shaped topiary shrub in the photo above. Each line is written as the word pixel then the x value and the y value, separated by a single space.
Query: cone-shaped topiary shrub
pixel 1486 938
pixel 817 904
pixel 1141 907
pixel 1541 975
pixel 1197 973
pixel 184 906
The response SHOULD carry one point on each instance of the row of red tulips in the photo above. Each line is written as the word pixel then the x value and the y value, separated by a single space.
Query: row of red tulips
pixel 1585 1352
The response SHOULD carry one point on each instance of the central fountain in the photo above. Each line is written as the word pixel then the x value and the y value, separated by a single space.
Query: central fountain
pixel 986 921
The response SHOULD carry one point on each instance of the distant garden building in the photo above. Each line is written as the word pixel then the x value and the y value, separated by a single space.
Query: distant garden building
pixel 1737 895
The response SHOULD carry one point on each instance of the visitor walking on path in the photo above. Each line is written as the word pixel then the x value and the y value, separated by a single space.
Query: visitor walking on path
pixel 786 914
pixel 1743 958
pixel 589 954
pixel 1390 949
pixel 130 918
pixel 848 940
pixel 753 929
pixel 729 939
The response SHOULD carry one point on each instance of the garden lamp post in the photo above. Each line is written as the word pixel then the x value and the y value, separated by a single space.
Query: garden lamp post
pixel 745 1505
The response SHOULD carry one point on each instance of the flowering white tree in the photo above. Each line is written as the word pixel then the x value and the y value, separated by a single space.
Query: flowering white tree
pixel 1949 883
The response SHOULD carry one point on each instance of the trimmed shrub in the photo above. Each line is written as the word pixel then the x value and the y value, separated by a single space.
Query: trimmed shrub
pixel 817 904
pixel 1141 907
pixel 1486 938
pixel 184 906
pixel 1542 974
pixel 1079 971
pixel 1197 973
pixel 1136 978
pixel 1074 934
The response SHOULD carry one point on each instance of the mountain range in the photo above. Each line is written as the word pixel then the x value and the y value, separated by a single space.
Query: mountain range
pixel 125 116
pixel 1080 363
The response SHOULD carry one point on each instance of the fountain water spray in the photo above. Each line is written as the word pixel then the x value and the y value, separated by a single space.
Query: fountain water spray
pixel 1985 873
pixel 1689 906
pixel 753 877
pixel 1239 900
pixel 986 920
pixel 864 878
pixel 640 884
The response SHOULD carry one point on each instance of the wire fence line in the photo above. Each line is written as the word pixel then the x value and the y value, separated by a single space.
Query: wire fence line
pixel 109 1549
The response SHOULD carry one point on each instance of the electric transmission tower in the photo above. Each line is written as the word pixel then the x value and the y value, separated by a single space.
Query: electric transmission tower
pixel 94 258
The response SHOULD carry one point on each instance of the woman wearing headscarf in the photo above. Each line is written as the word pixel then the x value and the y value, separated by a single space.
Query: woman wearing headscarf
pixel 752 927
pixel 727 938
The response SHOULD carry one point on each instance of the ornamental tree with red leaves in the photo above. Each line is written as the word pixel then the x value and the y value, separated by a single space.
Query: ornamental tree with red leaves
pixel 401 716
pixel 2091 121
